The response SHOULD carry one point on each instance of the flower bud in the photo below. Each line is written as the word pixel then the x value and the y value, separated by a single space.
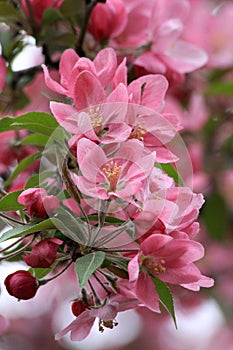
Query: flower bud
pixel 43 254
pixel 37 7
pixel 21 284
pixel 37 202
pixel 78 307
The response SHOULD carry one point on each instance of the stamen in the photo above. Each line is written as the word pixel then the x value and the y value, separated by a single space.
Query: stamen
pixel 138 132
pixel 154 267
pixel 112 172
pixel 96 119
pixel 107 324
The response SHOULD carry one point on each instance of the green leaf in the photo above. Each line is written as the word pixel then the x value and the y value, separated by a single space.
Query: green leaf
pixel 51 15
pixel 39 122
pixel 215 216
pixel 71 225
pixel 8 12
pixel 22 166
pixel 10 202
pixel 109 219
pixel 170 171
pixel 220 88
pixel 39 180
pixel 71 8
pixel 23 230
pixel 87 265
pixel 40 272
pixel 165 297
pixel 35 139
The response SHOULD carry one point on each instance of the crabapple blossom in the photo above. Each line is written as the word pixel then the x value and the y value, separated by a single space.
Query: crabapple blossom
pixel 37 202
pixel 108 19
pixel 120 176
pixel 43 253
pixel 81 326
pixel 210 27
pixel 170 260
pixel 99 73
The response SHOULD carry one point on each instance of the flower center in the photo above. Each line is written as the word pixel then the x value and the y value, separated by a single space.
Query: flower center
pixel 107 324
pixel 112 172
pixel 138 132
pixel 96 119
pixel 155 267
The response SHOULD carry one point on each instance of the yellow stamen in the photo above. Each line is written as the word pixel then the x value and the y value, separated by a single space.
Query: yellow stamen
pixel 96 119
pixel 138 132
pixel 112 172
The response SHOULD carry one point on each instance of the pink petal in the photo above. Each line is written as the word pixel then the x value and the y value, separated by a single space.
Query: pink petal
pixel 52 84
pixel 183 57
pixel 146 292
pixel 133 268
pixel 107 312
pixel 79 328
pixel 87 148
pixel 151 89
pixel 83 64
pixel 66 115
pixel 119 94
pixel 153 243
pixel 182 275
pixel 120 75
pixel 150 63
pixel 204 281
pixel 105 63
pixel 87 91
pixel 67 62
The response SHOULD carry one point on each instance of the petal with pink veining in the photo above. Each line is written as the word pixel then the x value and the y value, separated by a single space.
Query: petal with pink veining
pixel 87 91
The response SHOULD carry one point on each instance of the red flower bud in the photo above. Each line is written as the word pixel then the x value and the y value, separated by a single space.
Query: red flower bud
pixel 43 254
pixel 37 202
pixel 78 307
pixel 21 284
pixel 38 7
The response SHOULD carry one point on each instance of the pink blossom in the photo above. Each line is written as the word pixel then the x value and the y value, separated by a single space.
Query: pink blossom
pixel 167 51
pixel 108 19
pixel 11 154
pixel 37 202
pixel 148 91
pixel 81 326
pixel 137 29
pixel 194 117
pixel 43 253
pixel 119 176
pixel 3 73
pixel 210 27
pixel 80 76
pixel 37 94
pixel 170 260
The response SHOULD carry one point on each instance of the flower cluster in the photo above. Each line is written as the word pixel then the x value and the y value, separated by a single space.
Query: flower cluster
pixel 136 226
pixel 96 181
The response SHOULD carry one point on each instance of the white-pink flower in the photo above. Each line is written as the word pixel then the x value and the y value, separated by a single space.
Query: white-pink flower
pixel 168 259
pixel 81 326
pixel 118 176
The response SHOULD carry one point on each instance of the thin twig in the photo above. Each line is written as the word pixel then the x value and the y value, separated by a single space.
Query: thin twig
pixel 18 251
pixel 89 8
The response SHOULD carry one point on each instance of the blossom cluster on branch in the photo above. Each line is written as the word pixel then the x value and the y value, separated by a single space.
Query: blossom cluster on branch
pixel 96 178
